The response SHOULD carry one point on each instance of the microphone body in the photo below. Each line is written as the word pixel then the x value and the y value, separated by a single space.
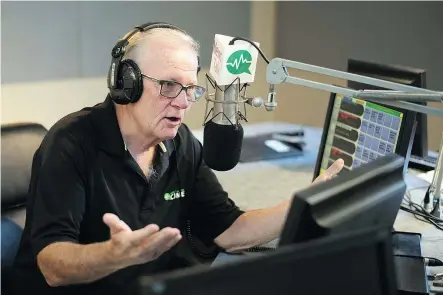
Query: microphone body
pixel 232 68
pixel 222 145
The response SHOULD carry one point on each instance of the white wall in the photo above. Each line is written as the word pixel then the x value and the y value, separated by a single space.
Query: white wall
pixel 47 101
pixel 55 40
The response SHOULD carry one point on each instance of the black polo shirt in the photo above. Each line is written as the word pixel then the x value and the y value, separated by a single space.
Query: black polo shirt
pixel 82 170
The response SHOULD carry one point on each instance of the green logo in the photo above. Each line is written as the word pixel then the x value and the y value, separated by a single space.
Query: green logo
pixel 239 62
pixel 175 195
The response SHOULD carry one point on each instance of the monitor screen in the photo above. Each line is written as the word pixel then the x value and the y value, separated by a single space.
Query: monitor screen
pixel 359 131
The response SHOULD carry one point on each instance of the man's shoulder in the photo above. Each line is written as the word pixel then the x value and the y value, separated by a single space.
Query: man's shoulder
pixel 75 128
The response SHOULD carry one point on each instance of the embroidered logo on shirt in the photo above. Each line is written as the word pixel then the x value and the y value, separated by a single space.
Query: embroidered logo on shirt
pixel 175 195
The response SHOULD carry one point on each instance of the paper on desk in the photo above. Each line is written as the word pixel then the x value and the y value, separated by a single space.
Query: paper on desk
pixel 277 146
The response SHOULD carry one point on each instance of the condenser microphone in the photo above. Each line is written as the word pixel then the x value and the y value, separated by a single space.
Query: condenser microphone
pixel 232 68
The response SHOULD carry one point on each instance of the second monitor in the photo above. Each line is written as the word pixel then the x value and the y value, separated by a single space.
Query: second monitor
pixel 398 74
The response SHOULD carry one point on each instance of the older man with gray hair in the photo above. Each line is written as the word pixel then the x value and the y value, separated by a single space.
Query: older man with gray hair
pixel 120 189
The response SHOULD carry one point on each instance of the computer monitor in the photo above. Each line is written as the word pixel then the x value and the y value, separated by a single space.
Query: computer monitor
pixel 352 263
pixel 360 131
pixel 398 74
pixel 370 195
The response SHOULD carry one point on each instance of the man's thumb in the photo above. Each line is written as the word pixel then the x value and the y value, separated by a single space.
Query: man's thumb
pixel 114 223
pixel 333 170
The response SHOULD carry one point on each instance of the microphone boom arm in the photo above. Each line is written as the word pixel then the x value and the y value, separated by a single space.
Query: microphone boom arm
pixel 276 73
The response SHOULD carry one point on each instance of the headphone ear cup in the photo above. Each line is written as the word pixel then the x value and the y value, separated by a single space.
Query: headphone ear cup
pixel 129 83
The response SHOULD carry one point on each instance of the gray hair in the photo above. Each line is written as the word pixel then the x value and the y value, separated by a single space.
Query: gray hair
pixel 139 41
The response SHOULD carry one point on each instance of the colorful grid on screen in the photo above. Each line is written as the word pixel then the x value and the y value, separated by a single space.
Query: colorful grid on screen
pixel 378 134
pixel 359 132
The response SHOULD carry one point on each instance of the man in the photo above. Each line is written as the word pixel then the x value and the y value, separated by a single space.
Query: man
pixel 116 187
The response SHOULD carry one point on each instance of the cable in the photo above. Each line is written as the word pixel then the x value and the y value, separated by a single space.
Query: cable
pixel 430 261
pixel 253 44
pixel 419 212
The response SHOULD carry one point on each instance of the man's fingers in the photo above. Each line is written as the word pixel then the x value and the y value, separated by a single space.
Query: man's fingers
pixel 115 224
pixel 139 235
pixel 333 170
pixel 162 241
pixel 173 242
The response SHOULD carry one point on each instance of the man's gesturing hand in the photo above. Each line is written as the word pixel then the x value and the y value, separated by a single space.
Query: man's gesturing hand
pixel 139 246
pixel 333 170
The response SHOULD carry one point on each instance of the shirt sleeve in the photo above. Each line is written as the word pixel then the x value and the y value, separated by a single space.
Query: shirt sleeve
pixel 212 211
pixel 57 192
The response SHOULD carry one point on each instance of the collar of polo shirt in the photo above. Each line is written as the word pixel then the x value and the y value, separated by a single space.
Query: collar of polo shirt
pixel 161 145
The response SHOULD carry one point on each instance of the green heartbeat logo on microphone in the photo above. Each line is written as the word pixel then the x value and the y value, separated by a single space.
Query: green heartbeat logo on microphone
pixel 239 62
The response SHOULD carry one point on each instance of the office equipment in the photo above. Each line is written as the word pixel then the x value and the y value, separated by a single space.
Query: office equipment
pixel 406 244
pixel 360 131
pixel 250 184
pixel 267 147
pixel 411 275
pixel 426 163
pixel 295 138
pixel 351 263
pixel 398 74
pixel 369 196
pixel 400 95
pixel 232 70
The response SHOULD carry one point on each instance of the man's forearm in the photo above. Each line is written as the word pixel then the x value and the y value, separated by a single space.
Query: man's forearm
pixel 65 263
pixel 254 228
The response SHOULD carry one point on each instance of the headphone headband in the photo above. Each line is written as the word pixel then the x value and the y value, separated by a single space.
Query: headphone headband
pixel 120 48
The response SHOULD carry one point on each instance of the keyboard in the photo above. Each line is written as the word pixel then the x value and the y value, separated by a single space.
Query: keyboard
pixel 425 164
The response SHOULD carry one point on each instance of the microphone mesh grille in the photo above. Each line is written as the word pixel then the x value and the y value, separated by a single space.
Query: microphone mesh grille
pixel 222 145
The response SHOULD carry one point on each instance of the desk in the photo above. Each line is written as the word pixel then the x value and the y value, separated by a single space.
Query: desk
pixel 267 183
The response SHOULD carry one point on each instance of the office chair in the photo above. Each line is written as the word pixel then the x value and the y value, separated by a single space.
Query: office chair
pixel 19 141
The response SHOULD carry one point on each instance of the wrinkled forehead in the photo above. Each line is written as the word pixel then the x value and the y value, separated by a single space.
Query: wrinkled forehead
pixel 163 56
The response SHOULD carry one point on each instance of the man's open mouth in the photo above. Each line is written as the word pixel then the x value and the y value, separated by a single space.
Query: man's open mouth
pixel 173 119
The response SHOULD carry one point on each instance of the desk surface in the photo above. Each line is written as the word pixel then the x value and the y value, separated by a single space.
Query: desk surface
pixel 266 183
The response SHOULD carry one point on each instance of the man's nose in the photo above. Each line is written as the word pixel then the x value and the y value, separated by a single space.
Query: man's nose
pixel 181 101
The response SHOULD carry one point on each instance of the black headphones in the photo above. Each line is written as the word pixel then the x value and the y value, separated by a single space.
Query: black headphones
pixel 125 81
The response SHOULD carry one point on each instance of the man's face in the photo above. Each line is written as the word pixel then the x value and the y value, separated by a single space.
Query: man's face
pixel 155 114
